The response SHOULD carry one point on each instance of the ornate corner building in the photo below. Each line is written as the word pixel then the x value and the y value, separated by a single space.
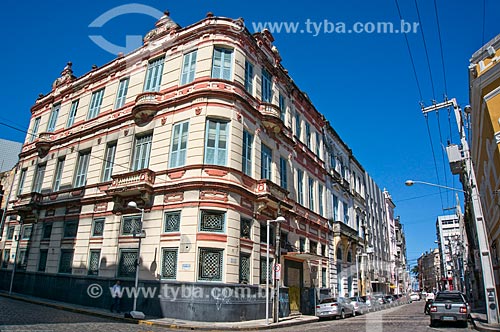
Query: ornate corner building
pixel 204 130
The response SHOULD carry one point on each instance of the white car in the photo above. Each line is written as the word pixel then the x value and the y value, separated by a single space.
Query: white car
pixel 414 297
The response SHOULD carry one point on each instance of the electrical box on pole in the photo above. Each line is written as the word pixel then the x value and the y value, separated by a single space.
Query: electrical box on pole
pixel 461 163
pixel 456 158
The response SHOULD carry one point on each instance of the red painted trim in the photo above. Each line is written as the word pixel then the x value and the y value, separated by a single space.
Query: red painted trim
pixel 211 237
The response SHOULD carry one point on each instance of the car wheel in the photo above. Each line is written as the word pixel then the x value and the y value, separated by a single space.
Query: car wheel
pixel 342 314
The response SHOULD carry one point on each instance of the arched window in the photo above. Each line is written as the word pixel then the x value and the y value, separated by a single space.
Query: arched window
pixel 339 253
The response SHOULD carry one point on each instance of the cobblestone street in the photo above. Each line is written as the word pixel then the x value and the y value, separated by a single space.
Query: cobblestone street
pixel 408 317
pixel 21 316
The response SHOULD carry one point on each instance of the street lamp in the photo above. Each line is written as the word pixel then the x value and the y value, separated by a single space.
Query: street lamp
pixel 138 234
pixel 278 220
pixel 410 183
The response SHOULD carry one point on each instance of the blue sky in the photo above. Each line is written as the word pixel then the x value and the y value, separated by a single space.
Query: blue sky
pixel 363 83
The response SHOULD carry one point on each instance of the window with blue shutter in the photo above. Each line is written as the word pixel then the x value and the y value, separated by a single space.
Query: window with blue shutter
pixel 142 152
pixel 300 186
pixel 216 142
pixel 121 95
pixel 247 153
pixel 282 105
pixel 95 104
pixel 188 68
pixel 109 161
pixel 72 113
pixel 53 118
pixel 248 77
pixel 153 75
pixel 222 63
pixel 34 130
pixel 283 173
pixel 179 145
pixel 267 88
pixel 82 167
pixel 266 162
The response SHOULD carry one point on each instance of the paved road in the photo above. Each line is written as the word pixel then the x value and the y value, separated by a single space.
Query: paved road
pixel 21 316
pixel 408 317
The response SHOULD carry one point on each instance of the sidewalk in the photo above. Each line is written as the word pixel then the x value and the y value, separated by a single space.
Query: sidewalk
pixel 480 321
pixel 165 322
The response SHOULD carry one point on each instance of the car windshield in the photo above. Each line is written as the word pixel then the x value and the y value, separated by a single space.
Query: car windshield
pixel 447 297
pixel 330 300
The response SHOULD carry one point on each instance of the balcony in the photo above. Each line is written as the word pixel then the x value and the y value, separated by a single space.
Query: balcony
pixel 136 186
pixel 271 116
pixel 43 144
pixel 145 108
pixel 271 194
pixel 28 205
pixel 342 229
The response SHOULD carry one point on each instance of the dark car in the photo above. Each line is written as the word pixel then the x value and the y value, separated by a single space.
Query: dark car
pixel 449 306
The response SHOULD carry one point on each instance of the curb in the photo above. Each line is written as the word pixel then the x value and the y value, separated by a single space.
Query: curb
pixel 482 327
pixel 227 328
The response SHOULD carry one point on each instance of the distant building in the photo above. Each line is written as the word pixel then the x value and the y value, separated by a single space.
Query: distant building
pixel 429 268
pixel 452 248
pixel 402 276
pixel 377 235
pixel 9 154
pixel 484 83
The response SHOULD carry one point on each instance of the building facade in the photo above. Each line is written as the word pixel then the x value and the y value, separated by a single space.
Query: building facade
pixel 429 268
pixel 377 235
pixel 172 159
pixel 484 95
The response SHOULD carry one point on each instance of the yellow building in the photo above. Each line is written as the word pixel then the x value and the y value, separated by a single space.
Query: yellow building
pixel 484 83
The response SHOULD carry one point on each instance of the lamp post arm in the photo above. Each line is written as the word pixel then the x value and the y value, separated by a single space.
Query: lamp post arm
pixel 412 182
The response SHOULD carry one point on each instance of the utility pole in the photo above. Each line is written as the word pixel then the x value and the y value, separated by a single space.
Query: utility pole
pixel 461 163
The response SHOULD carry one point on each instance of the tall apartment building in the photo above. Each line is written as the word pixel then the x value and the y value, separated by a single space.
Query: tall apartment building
pixel 484 95
pixel 377 234
pixel 204 130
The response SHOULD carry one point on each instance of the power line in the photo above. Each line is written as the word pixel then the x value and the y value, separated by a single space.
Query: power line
pixel 442 156
pixel 434 158
pixel 14 128
pixel 416 197
pixel 441 48
pixel 426 52
pixel 411 56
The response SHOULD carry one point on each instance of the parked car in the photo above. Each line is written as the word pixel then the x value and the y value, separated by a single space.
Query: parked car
pixel 415 297
pixel 359 304
pixel 449 306
pixel 389 298
pixel 380 298
pixel 335 307
pixel 369 301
